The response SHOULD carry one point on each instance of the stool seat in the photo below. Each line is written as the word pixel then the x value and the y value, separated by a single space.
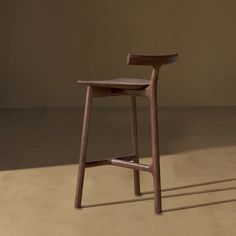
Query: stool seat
pixel 122 83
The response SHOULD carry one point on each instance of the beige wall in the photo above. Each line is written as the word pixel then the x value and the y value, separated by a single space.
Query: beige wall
pixel 46 45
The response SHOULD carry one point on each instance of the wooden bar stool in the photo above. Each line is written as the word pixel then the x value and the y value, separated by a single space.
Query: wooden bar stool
pixel 133 88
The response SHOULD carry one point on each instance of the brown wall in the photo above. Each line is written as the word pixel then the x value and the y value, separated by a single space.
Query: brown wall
pixel 46 45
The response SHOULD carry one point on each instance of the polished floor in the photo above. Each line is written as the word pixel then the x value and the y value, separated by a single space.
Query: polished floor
pixel 39 152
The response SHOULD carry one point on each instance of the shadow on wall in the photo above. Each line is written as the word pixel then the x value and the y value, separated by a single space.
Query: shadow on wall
pixel 46 137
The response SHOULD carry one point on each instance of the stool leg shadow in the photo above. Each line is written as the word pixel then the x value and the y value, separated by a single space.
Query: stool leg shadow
pixel 177 195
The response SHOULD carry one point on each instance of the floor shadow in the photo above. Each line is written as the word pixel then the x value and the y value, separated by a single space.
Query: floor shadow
pixel 193 185
pixel 117 202
pixel 47 137
pixel 164 210
pixel 200 205
pixel 140 199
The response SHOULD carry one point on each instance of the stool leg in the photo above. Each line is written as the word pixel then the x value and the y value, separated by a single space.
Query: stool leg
pixel 83 147
pixel 134 135
pixel 155 153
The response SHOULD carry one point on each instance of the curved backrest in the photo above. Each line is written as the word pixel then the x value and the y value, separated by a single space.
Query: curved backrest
pixel 151 60
pixel 155 61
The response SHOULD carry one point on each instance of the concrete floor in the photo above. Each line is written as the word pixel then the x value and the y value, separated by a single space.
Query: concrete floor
pixel 38 155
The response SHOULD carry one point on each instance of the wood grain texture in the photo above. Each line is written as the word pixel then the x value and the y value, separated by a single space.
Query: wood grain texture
pixel 134 137
pixel 123 83
pixel 133 88
pixel 151 60
pixel 83 148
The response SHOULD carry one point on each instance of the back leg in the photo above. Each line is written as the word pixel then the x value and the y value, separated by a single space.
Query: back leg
pixel 134 136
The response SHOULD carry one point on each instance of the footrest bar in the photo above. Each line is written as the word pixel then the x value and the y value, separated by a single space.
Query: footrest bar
pixel 129 157
pixel 131 165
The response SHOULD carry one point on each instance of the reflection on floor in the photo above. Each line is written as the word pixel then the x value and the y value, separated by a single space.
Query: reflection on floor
pixel 198 163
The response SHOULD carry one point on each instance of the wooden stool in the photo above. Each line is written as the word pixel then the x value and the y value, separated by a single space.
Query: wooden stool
pixel 133 88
